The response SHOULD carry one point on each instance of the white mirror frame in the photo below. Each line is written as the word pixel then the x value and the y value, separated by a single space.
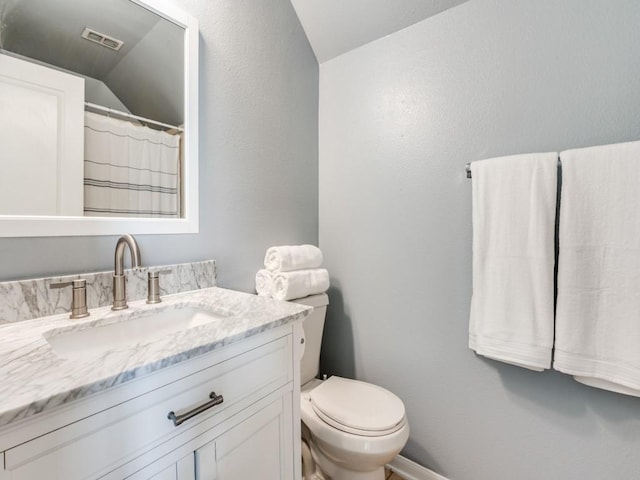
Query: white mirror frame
pixel 43 226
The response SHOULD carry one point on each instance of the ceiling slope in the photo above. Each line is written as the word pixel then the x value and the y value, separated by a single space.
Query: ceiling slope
pixel 334 27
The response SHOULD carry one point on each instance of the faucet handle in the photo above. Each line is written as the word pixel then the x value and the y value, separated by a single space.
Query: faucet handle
pixel 153 283
pixel 78 296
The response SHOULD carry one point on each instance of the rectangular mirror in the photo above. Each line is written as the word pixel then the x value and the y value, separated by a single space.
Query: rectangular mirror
pixel 98 103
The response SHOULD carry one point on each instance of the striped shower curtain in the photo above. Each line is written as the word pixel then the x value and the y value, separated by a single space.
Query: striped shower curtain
pixel 130 170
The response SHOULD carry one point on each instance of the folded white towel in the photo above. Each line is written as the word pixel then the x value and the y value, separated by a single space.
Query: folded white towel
pixel 264 283
pixel 597 326
pixel 300 283
pixel 295 257
pixel 514 206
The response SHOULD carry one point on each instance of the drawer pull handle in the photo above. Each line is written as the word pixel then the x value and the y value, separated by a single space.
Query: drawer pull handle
pixel 179 419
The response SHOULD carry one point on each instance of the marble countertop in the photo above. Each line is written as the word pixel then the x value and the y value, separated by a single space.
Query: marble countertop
pixel 35 378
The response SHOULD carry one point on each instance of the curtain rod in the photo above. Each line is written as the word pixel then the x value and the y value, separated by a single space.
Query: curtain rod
pixel 468 168
pixel 130 115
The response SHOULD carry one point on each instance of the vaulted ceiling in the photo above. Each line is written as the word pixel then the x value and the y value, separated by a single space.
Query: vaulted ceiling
pixel 334 27
pixel 146 74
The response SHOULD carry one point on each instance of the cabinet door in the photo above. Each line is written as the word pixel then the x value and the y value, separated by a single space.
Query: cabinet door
pixel 255 448
pixel 166 474
pixel 4 475
pixel 183 469
pixel 205 458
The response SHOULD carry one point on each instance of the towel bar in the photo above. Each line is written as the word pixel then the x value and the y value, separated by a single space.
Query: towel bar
pixel 467 167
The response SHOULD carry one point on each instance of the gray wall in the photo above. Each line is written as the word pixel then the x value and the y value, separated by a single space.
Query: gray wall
pixel 155 65
pixel 258 153
pixel 399 118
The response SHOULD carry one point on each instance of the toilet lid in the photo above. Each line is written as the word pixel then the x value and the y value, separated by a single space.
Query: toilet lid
pixel 357 407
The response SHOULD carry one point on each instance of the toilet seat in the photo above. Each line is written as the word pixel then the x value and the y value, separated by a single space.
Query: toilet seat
pixel 358 408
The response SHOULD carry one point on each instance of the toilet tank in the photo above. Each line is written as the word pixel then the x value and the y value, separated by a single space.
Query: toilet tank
pixel 313 325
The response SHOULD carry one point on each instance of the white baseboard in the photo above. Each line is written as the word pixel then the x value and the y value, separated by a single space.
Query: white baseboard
pixel 411 470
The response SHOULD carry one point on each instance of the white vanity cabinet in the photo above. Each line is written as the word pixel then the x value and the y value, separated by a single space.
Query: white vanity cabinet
pixel 124 432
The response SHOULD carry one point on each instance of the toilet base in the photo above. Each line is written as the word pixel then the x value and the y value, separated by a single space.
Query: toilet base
pixel 341 474
pixel 329 469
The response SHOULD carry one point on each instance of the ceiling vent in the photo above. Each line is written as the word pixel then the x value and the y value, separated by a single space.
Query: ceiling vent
pixel 102 39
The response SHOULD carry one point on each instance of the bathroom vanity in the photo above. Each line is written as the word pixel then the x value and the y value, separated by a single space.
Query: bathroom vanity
pixel 212 398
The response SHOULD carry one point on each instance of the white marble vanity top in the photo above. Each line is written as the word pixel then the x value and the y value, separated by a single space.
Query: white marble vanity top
pixel 34 378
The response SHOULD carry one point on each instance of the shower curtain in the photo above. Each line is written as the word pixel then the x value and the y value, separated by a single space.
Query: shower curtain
pixel 130 170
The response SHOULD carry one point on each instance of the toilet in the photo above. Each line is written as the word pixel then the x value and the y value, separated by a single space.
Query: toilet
pixel 352 428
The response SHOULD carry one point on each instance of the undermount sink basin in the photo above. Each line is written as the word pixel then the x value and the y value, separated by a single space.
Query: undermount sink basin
pixel 127 329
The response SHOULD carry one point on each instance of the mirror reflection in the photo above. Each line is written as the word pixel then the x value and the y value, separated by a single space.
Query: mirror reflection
pixel 92 109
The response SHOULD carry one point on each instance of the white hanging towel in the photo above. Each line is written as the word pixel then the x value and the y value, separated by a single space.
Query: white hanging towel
pixel 514 206
pixel 598 306
pixel 300 283
pixel 292 257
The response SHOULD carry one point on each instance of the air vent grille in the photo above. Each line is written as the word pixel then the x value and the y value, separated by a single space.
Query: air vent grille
pixel 102 39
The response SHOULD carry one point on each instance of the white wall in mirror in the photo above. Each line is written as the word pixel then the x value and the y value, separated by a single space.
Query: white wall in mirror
pixel 55 209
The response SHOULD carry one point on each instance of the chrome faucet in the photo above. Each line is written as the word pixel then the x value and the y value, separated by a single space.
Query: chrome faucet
pixel 119 284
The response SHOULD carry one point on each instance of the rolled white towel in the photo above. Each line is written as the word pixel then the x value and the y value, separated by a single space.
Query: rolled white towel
pixel 292 257
pixel 300 283
pixel 264 283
